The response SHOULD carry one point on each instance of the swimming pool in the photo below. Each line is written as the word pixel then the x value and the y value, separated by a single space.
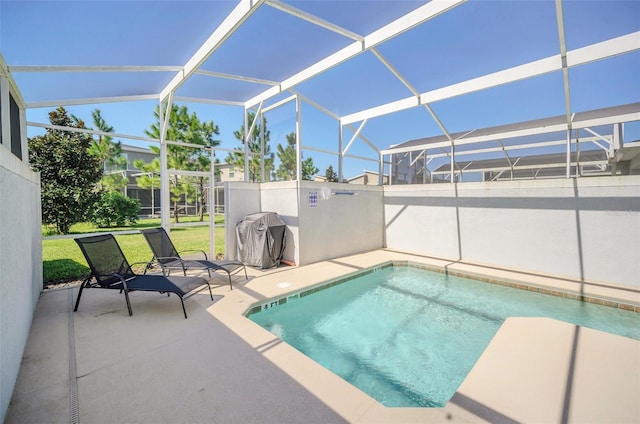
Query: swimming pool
pixel 409 337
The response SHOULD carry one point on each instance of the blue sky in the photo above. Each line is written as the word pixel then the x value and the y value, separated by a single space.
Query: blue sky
pixel 474 39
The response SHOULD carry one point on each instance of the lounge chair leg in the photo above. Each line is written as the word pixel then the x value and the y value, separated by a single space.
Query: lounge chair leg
pixel 183 309
pixel 80 294
pixel 126 296
pixel 210 292
pixel 231 287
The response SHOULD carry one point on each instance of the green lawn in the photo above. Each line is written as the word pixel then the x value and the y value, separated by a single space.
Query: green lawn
pixel 62 260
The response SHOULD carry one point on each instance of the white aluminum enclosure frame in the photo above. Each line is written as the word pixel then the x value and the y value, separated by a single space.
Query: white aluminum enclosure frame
pixel 361 43
pixel 355 122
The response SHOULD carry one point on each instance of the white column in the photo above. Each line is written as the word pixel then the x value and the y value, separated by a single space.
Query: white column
pixel 569 153
pixel 298 142
pixel 262 141
pixel 453 175
pixel 165 197
pixel 246 145
pixel 381 170
pixel 212 200
pixel 340 143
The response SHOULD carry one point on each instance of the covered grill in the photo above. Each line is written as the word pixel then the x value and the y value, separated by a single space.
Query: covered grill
pixel 261 239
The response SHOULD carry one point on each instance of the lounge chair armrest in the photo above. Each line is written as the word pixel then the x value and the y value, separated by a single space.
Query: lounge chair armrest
pixel 196 250
pixel 173 258
pixel 147 265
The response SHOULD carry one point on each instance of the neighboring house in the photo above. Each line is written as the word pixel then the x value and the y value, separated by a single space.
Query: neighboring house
pixel 150 198
pixel 368 178
pixel 229 172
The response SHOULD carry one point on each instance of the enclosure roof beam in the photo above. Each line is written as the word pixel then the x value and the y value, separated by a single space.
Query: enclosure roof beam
pixel 301 14
pixel 90 131
pixel 594 52
pixel 225 30
pixel 89 101
pixel 207 101
pixel 315 104
pixel 235 77
pixel 93 68
pixel 387 32
pixel 278 104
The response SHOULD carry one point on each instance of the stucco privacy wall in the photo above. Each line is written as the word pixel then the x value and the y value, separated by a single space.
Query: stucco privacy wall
pixel 20 264
pixel 318 229
pixel 282 198
pixel 240 199
pixel 346 223
pixel 586 228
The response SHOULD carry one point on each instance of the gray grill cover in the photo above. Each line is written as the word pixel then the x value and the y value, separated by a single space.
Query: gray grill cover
pixel 261 239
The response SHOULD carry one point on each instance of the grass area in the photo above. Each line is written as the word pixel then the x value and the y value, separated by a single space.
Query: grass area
pixel 62 259
pixel 87 227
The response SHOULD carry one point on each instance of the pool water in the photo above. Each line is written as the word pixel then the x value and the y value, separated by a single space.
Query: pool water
pixel 409 337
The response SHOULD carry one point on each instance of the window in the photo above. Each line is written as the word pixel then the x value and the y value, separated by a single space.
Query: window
pixel 16 134
pixel 232 172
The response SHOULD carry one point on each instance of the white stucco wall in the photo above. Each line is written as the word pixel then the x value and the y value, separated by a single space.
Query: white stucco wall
pixel 20 265
pixel 282 198
pixel 240 200
pixel 314 233
pixel 341 225
pixel 585 228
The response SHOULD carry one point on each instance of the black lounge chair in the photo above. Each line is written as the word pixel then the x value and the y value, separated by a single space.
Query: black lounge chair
pixel 166 255
pixel 111 270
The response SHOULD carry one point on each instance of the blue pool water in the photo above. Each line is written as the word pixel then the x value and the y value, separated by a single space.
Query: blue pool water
pixel 409 337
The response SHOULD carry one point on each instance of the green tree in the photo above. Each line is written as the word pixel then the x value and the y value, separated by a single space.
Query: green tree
pixel 110 154
pixel 288 160
pixel 115 209
pixel 68 173
pixel 188 128
pixel 308 169
pixel 330 175
pixel 237 156
pixel 203 163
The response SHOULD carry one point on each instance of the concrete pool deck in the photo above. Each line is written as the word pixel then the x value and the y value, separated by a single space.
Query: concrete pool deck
pixel 100 365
